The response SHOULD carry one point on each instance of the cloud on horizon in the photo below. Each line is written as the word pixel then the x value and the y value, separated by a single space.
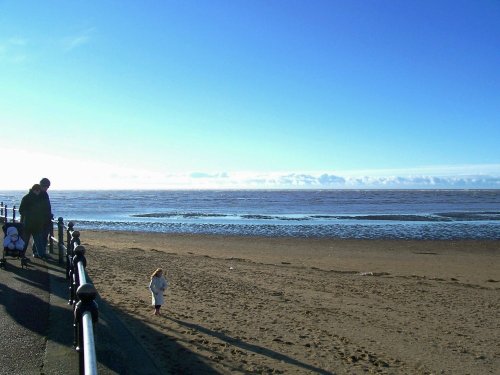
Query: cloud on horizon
pixel 208 175
pixel 335 181
pixel 101 175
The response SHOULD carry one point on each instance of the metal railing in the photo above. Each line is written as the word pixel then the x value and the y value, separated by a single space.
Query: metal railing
pixel 82 295
pixel 86 314
pixel 4 209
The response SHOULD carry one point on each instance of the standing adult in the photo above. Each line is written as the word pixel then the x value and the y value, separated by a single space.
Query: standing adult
pixel 32 220
pixel 46 210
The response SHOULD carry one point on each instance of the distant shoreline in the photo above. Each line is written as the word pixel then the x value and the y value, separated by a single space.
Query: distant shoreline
pixel 254 190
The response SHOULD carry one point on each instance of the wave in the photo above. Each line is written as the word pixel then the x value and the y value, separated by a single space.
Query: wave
pixel 437 217
pixel 386 217
pixel 449 216
pixel 355 230
pixel 474 216
pixel 178 214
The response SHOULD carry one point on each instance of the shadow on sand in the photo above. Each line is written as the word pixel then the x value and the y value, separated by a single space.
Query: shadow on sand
pixel 117 350
pixel 251 347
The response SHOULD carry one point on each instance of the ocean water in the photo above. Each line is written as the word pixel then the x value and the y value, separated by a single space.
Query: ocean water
pixel 364 214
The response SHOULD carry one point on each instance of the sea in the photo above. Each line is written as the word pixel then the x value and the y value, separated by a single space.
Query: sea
pixel 343 214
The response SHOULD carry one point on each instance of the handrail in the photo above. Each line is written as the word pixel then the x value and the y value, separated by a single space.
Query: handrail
pixel 82 279
pixel 82 296
pixel 90 358
pixel 4 209
pixel 82 293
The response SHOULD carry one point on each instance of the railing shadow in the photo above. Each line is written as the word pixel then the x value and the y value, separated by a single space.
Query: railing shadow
pixel 114 327
pixel 23 307
pixel 33 270
pixel 251 347
pixel 116 347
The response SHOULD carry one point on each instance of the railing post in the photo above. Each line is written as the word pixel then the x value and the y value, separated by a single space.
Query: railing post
pixel 13 214
pixel 5 213
pixel 74 241
pixel 69 234
pixel 1 209
pixel 74 276
pixel 60 238
pixel 51 235
pixel 75 280
pixel 69 247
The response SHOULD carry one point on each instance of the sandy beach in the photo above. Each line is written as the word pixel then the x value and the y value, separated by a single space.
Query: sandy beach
pixel 305 306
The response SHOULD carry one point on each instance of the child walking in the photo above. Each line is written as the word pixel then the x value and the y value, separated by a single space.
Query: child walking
pixel 157 286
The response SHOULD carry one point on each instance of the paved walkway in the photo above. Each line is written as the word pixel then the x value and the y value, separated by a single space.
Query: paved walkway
pixel 24 311
pixel 36 323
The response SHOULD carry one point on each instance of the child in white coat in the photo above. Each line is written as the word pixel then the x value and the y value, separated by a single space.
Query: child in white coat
pixel 12 240
pixel 157 286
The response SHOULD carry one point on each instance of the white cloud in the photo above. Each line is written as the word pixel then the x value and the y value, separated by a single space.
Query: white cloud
pixel 208 175
pixel 429 178
pixel 69 172
pixel 78 40
pixel 13 50
pixel 17 41
pixel 423 181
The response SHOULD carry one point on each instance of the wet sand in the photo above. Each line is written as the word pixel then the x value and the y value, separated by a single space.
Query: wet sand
pixel 305 306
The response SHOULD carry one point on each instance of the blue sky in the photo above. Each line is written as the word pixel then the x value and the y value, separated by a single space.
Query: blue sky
pixel 251 94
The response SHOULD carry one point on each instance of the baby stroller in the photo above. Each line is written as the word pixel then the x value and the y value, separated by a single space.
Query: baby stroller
pixel 13 243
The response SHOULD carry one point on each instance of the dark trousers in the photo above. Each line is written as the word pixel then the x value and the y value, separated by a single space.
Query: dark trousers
pixel 46 233
pixel 38 244
pixel 26 238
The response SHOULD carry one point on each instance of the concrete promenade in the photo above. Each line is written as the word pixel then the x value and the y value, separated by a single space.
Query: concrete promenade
pixel 37 326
